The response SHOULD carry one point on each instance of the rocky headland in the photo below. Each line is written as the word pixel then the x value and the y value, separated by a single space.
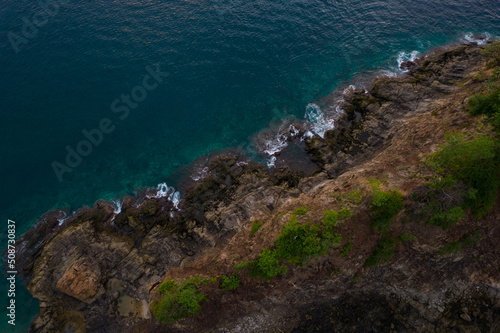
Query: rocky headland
pixel 100 271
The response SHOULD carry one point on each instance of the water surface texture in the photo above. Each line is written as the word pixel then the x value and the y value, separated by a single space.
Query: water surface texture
pixel 232 67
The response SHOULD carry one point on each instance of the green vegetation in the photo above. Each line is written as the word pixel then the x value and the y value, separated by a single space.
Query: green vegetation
pixel 267 265
pixel 230 282
pixel 447 218
pixel 466 240
pixel 405 238
pixel 453 247
pixel 346 248
pixel 300 211
pixel 298 242
pixel 255 227
pixel 488 105
pixel 382 252
pixel 242 265
pixel 493 51
pixel 476 164
pixel 350 199
pixel 385 206
pixel 179 300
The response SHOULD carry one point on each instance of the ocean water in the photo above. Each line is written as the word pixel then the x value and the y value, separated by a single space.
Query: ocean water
pixel 233 67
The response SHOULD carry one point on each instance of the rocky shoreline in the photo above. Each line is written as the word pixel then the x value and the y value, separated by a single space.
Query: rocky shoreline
pixel 99 271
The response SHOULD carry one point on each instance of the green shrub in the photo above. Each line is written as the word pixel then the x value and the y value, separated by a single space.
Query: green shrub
pixel 255 227
pixel 242 265
pixel 485 104
pixel 297 242
pixel 267 265
pixel 300 211
pixel 447 218
pixel 473 162
pixel 465 240
pixel 178 301
pixel 406 238
pixel 168 286
pixel 230 282
pixel 355 196
pixel 492 51
pixel 488 105
pixel 346 248
pixel 331 217
pixel 382 252
pixel 453 247
pixel 385 206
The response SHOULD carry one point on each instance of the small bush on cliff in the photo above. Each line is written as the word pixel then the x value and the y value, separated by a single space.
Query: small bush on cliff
pixel 300 211
pixel 385 206
pixel 382 252
pixel 298 242
pixel 492 51
pixel 267 265
pixel 255 227
pixel 230 282
pixel 466 240
pixel 488 104
pixel 447 218
pixel 346 248
pixel 178 301
pixel 475 163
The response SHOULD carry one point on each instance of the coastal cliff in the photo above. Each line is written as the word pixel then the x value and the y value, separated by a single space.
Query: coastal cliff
pixel 102 271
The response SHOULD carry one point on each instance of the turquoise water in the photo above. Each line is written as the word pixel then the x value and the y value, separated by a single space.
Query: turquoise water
pixel 233 66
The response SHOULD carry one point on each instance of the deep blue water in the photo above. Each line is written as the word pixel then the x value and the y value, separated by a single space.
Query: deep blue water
pixel 233 66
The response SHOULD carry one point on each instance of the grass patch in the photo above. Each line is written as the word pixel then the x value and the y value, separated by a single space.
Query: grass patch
pixel 267 265
pixel 255 227
pixel 297 243
pixel 230 282
pixel 382 252
pixel 343 251
pixel 457 247
pixel 300 211
pixel 179 300
pixel 385 205
pixel 405 238
pixel 492 51
pixel 447 218
pixel 476 164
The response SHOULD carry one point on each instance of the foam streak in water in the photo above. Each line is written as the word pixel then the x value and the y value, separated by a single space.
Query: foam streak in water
pixel 166 191
pixel 319 123
pixel 404 56
pixel 118 204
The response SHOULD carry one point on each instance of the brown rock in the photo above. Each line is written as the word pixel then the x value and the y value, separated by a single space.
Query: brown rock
pixel 81 281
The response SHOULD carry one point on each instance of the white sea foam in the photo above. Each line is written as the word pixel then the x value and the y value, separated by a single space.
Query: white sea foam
pixel 349 89
pixel 319 122
pixel 63 218
pixel 163 190
pixel 175 197
pixel 118 204
pixel 276 144
pixel 294 131
pixel 471 38
pixel 200 175
pixel 406 56
pixel 271 162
